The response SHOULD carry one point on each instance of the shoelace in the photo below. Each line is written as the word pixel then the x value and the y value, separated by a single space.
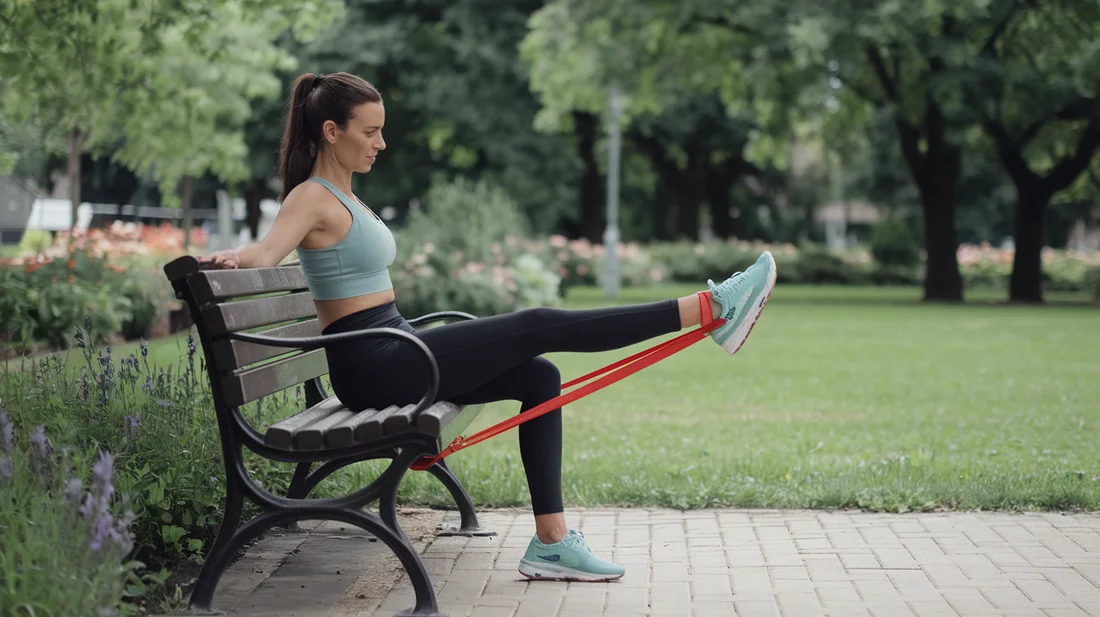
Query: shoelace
pixel 575 540
pixel 738 281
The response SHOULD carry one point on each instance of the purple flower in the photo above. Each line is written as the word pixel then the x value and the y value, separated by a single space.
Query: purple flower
pixel 5 433
pixel 74 490
pixel 41 444
pixel 134 420
pixel 105 531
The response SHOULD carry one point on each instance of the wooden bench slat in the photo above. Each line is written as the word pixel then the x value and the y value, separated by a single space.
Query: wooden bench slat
pixel 330 424
pixel 343 434
pixel 312 436
pixel 371 428
pixel 212 285
pixel 281 434
pixel 251 384
pixel 435 418
pixel 399 421
pixel 237 316
pixel 231 355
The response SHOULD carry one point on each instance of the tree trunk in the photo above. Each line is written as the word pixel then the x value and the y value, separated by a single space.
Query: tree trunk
pixel 1033 194
pixel 593 218
pixel 688 188
pixel 719 180
pixel 942 280
pixel 1026 282
pixel 253 195
pixel 936 173
pixel 935 170
pixel 186 189
pixel 76 140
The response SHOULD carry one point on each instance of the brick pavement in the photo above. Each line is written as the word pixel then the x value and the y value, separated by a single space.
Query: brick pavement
pixel 703 563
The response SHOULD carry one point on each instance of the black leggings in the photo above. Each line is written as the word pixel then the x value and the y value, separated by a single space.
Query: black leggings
pixel 490 359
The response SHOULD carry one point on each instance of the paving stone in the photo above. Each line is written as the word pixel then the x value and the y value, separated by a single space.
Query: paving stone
pixel 702 563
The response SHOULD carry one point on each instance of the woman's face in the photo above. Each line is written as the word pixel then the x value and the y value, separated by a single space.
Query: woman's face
pixel 357 145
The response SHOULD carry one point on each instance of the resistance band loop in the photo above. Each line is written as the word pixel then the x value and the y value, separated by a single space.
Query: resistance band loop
pixel 618 370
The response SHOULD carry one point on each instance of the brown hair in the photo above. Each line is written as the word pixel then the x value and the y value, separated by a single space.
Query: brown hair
pixel 314 99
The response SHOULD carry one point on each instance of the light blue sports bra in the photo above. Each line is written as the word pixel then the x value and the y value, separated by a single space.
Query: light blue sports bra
pixel 359 263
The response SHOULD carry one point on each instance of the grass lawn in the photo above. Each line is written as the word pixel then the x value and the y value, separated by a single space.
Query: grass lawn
pixel 841 397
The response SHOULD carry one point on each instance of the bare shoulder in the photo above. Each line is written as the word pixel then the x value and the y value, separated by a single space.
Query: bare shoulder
pixel 308 195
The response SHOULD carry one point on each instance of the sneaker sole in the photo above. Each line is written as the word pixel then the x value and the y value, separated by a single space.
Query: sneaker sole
pixel 742 333
pixel 541 572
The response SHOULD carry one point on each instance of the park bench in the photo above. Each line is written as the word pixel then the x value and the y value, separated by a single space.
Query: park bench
pixel 260 335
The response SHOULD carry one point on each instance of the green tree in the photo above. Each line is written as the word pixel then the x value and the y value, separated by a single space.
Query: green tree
pixel 161 87
pixel 457 101
pixel 1035 87
pixel 699 128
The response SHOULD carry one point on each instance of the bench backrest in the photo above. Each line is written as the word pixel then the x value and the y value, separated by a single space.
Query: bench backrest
pixel 271 301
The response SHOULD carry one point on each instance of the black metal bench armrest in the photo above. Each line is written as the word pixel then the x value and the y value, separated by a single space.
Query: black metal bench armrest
pixel 308 343
pixel 440 316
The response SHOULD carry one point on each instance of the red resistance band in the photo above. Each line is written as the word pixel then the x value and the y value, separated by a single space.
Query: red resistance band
pixel 618 370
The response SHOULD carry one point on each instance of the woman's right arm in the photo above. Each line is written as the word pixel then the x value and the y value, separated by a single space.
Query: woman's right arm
pixel 294 220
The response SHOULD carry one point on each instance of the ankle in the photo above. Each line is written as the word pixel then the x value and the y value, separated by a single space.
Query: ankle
pixel 715 307
pixel 551 528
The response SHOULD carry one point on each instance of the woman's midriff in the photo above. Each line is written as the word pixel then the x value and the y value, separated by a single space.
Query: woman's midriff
pixel 329 311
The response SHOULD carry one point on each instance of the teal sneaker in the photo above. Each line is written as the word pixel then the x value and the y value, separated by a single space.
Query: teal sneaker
pixel 742 298
pixel 568 560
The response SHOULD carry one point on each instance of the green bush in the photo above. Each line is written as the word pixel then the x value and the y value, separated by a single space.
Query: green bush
pixel 64 546
pixel 986 273
pixel 895 275
pixel 466 217
pixel 816 265
pixel 45 301
pixel 465 251
pixel 688 262
pixel 35 241
pixel 893 246
pixel 1092 281
pixel 1064 275
pixel 158 423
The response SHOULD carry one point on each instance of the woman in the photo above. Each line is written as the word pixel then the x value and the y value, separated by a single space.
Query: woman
pixel 333 130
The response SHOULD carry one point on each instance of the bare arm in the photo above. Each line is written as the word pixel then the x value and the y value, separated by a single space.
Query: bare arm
pixel 294 220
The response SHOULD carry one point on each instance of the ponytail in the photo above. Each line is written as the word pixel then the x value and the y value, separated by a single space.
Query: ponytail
pixel 299 149
pixel 314 99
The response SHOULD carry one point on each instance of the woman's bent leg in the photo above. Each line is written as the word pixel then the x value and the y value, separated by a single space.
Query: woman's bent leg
pixel 555 552
pixel 531 383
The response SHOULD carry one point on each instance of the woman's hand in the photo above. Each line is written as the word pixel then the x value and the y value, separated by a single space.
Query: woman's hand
pixel 229 259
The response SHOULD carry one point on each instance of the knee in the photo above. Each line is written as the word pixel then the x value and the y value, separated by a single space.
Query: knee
pixel 538 317
pixel 544 378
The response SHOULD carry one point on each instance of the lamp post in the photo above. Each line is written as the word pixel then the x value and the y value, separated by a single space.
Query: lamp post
pixel 611 276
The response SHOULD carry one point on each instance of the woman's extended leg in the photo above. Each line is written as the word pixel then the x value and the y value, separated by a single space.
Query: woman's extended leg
pixel 476 351
pixel 501 342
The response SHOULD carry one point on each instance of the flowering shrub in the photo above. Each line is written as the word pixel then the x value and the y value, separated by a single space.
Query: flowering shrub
pixel 47 295
pixel 985 266
pixel 688 262
pixel 64 545
pixel 427 279
pixel 157 422
pixel 466 252
pixel 581 262
pixel 118 239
